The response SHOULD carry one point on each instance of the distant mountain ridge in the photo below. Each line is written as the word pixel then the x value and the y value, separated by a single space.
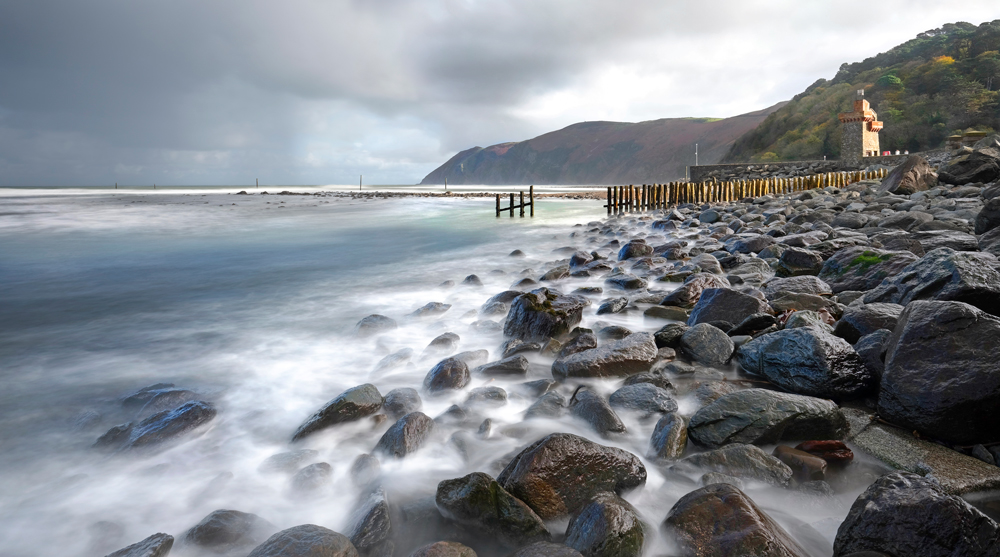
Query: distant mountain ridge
pixel 601 153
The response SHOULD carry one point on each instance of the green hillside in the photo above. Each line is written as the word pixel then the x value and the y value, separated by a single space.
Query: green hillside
pixel 940 83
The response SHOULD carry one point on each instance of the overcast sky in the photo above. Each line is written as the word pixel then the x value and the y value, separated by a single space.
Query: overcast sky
pixel 196 92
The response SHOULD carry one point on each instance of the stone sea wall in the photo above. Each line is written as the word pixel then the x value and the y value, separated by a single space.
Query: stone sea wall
pixel 755 171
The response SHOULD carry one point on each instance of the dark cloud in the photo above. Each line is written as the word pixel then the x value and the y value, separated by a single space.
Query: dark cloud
pixel 307 91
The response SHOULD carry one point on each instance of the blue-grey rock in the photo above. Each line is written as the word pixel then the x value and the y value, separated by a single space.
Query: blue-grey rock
pixel 542 314
pixel 724 304
pixel 632 354
pixel 306 540
pixel 643 397
pixel 606 526
pixel 353 404
pixel 406 435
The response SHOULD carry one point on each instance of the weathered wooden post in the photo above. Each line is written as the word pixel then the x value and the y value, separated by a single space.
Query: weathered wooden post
pixel 609 201
pixel 531 199
pixel 522 204
pixel 511 204
pixel 498 205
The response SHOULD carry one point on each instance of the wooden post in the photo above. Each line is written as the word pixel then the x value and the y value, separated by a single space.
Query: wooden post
pixel 498 205
pixel 512 204
pixel 522 203
pixel 609 202
pixel 531 199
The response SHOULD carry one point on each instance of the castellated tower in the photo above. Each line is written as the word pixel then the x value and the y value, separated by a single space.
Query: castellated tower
pixel 860 132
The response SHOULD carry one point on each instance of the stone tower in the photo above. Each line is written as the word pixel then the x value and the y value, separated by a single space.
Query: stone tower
pixel 860 132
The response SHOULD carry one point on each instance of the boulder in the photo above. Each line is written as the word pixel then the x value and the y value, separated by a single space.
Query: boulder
pixel 612 305
pixel 720 520
pixel 946 275
pixel 905 514
pixel 805 467
pixel 632 354
pixel 543 313
pixel 643 397
pixel 511 347
pixel 707 344
pixel 546 549
pixel 871 350
pixel 226 531
pixel 593 409
pixel 760 416
pixel 364 470
pixel 371 525
pixel 862 268
pixel 287 462
pixel 353 404
pixel 798 261
pixel 166 425
pixel 490 396
pixel 406 435
pixel 477 501
pixel 933 239
pixel 559 473
pixel 549 405
pixel 157 545
pixel 915 174
pixel 513 365
pixel 669 336
pixel 941 375
pixel 739 461
pixel 748 243
pixel 990 242
pixel 635 248
pixel 989 217
pixel 724 304
pixel 448 374
pixel 556 273
pixel 307 481
pixel 966 169
pixel 905 220
pixel 625 281
pixel 306 540
pixel 444 549
pixel 833 452
pixel 688 294
pixel 606 526
pixel 669 438
pixel 850 220
pixel 809 361
pixel 860 321
pixel 400 402
pixel 373 325
pixel 805 284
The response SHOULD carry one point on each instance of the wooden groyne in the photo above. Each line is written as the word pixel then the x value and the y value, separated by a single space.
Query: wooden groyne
pixel 522 205
pixel 627 199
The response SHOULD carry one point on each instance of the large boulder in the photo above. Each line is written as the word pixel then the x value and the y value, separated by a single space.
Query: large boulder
pixel 739 461
pixel 989 217
pixel 915 174
pixel 479 502
pixel 909 515
pixel 760 416
pixel 933 239
pixel 687 294
pixel 163 426
pixel 860 321
pixel 157 545
pixel 990 242
pixel 635 248
pixel 643 397
pixel 401 401
pixel 862 268
pixel 448 374
pixel 513 365
pixel 748 243
pixel 978 166
pixel 719 520
pixel 809 361
pixel 559 473
pixel 371 524
pixel 406 435
pixel 804 284
pixel 707 344
pixel 593 409
pixel 669 438
pixel 941 375
pixel 798 261
pixel 353 404
pixel 724 304
pixel 225 531
pixel 947 275
pixel 542 314
pixel 607 526
pixel 306 540
pixel 632 354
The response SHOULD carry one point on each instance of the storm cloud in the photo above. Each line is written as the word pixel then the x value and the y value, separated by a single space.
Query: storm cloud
pixel 318 92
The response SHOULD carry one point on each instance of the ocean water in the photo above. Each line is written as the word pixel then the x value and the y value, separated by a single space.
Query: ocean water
pixel 250 301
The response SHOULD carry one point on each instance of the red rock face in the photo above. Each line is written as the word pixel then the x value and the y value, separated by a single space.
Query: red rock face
pixel 833 452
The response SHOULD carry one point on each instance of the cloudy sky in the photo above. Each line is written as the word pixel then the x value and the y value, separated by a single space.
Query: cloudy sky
pixel 196 92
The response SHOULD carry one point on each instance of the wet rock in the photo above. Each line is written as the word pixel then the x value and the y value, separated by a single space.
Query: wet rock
pixel 632 354
pixel 871 350
pixel 392 361
pixel 706 344
pixel 593 409
pixel 850 220
pixel 723 304
pixel 941 375
pixel 431 309
pixel 808 318
pixel 353 404
pixel 472 280
pixel 748 243
pixel 711 391
pixel 635 248
pixel 546 549
pixel 669 336
pixel 514 365
pixel 860 321
pixel 806 284
pixel 487 396
pixel 559 473
pixel 556 273
pixel 473 358
pixel 516 253
pixel 989 217
pixel 477 501
pixel 740 461
pixel 643 397
pixel 515 346
pixel 833 452
pixel 990 242
pixel 225 531
pixel 613 332
pixel 798 261
pixel 306 539
pixel 808 361
pixel 863 268
pixel 761 416
pixel 371 524
pixel 625 281
pixel 549 405
pixel 654 379
pixel 947 275
pixel 753 324
pixel 312 478
pixel 165 399
pixel 907 220
pixel 805 467
pixel 579 343
pixel 444 549
pixel 669 437
pixel 612 305
pixel 933 239
pixel 168 424
pixel 448 374
pixel 720 520
pixel 157 545
pixel 445 342
pixel 905 514
pixel 287 462
pixel 114 437
pixel 717 478
pixel 798 302
pixel 688 294
pixel 406 435
pixel 543 313
pixel 364 470
pixel 915 174
pixel 400 402
pixel 966 169
pixel 606 526
pixel 373 325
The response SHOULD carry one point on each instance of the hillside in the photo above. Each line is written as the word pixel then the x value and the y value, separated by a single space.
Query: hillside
pixel 601 153
pixel 935 85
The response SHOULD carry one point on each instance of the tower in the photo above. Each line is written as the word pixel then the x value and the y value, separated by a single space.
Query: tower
pixel 859 137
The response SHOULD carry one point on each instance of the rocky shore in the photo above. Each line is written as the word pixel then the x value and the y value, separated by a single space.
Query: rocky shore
pixel 821 325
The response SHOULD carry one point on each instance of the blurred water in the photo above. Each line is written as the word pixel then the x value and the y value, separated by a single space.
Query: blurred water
pixel 250 300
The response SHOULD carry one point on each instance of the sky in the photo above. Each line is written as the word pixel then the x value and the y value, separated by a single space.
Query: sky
pixel 223 92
